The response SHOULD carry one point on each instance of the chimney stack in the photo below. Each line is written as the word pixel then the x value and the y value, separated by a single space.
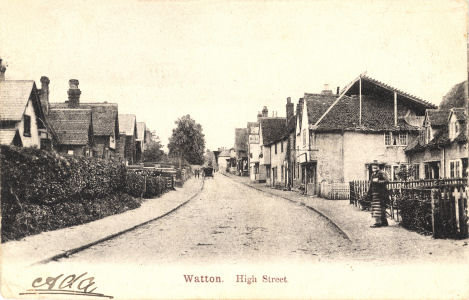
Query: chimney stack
pixel 289 109
pixel 299 106
pixel 3 68
pixel 259 116
pixel 265 112
pixel 338 90
pixel 73 93
pixel 44 94
pixel 326 90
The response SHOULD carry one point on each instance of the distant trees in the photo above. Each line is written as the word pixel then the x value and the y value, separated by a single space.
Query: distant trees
pixel 209 159
pixel 154 151
pixel 456 97
pixel 187 141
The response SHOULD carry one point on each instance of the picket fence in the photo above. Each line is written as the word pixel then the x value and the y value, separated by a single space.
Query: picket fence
pixel 441 205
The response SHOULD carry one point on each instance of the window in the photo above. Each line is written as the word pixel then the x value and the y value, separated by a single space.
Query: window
pixel 275 148
pixel 388 138
pixel 416 172
pixel 281 147
pixel 453 130
pixel 395 173
pixel 403 138
pixel 27 125
pixel 464 167
pixel 455 168
pixel 395 139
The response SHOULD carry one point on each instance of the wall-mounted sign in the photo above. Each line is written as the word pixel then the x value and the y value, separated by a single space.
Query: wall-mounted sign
pixel 254 130
pixel 253 139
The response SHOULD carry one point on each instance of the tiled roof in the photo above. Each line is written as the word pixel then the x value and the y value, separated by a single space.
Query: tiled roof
pixel 377 83
pixel 7 135
pixel 104 115
pixel 273 129
pixel 71 125
pixel 317 104
pixel 225 153
pixel 377 115
pixel 460 113
pixel 140 131
pixel 14 95
pixel 438 117
pixel 127 124
pixel 241 139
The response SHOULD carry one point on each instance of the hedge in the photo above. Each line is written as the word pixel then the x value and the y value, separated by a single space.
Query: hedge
pixel 41 177
pixel 45 191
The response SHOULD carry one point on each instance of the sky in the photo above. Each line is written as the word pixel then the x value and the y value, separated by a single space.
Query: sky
pixel 222 61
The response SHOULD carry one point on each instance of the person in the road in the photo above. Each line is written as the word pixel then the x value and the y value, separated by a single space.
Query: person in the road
pixel 378 194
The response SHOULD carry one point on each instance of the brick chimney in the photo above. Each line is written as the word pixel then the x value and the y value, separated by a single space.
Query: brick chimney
pixel 265 112
pixel 299 106
pixel 3 68
pixel 289 109
pixel 44 94
pixel 73 93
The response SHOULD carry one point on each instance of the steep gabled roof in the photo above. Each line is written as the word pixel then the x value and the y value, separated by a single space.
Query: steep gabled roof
pixel 460 113
pixel 273 129
pixel 104 116
pixel 14 96
pixel 224 153
pixel 317 104
pixel 127 124
pixel 71 125
pixel 374 84
pixel 437 117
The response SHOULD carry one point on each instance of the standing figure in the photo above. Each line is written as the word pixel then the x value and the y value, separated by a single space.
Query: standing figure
pixel 379 194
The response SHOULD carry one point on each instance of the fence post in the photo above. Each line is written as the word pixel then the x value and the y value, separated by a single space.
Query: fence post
pixel 462 214
pixel 432 195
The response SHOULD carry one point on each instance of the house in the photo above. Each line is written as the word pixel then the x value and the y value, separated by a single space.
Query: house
pixel 74 130
pixel 241 149
pixel 127 138
pixel 22 119
pixel 223 160
pixel 254 147
pixel 271 129
pixel 441 151
pixel 140 141
pixel 104 120
pixel 341 134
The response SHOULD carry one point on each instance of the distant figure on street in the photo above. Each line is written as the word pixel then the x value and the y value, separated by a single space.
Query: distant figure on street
pixel 378 193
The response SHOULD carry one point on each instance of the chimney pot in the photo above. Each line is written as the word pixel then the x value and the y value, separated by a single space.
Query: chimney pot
pixel 73 84
pixel 265 112
pixel 338 90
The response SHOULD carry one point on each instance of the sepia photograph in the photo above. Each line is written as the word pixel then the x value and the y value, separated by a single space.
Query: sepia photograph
pixel 218 149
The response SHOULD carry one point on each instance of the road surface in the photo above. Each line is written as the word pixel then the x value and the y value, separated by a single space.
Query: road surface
pixel 227 222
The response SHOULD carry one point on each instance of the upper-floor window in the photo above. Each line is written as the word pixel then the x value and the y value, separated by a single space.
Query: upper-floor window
pixel 27 125
pixel 275 148
pixel 453 130
pixel 395 138
pixel 428 134
pixel 281 147
pixel 455 168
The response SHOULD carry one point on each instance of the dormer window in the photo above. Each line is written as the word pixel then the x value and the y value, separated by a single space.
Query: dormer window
pixel 453 130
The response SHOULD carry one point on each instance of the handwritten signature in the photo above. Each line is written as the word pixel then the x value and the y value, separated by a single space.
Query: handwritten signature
pixel 69 285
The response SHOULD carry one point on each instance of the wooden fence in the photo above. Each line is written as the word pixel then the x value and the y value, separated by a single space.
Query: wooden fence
pixel 430 206
pixel 334 190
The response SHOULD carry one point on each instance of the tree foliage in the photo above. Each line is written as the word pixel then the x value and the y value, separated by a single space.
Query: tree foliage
pixel 154 152
pixel 209 159
pixel 187 141
pixel 456 97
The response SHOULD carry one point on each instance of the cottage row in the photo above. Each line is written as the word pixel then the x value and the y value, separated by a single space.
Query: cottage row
pixel 334 137
pixel 72 127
